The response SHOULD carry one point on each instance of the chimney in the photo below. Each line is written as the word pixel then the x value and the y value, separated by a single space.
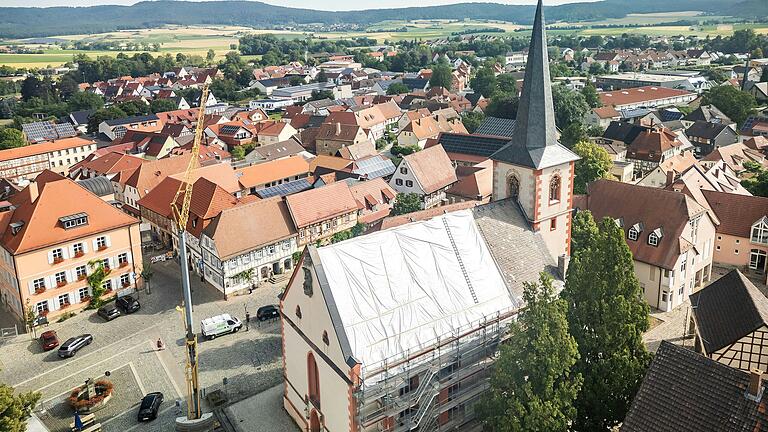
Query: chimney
pixel 32 191
pixel 562 265
pixel 755 387
pixel 338 128
pixel 670 177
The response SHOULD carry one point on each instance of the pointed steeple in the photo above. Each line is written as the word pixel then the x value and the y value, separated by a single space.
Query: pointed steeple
pixel 535 137
pixel 535 126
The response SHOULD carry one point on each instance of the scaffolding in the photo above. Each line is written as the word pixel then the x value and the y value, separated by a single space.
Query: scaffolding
pixel 435 388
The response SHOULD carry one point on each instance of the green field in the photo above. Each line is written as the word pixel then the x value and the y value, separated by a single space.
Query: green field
pixel 197 40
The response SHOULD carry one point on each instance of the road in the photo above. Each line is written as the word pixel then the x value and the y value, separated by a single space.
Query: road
pixel 125 347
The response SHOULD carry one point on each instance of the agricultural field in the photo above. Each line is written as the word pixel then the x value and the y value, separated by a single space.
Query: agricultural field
pixel 197 40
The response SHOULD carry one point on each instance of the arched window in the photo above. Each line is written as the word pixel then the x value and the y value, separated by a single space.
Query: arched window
pixel 298 311
pixel 554 189
pixel 513 187
pixel 325 338
pixel 313 378
pixel 314 422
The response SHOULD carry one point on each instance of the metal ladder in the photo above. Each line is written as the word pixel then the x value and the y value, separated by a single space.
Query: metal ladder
pixel 461 262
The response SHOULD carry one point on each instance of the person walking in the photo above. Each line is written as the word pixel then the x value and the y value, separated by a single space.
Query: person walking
pixel 160 345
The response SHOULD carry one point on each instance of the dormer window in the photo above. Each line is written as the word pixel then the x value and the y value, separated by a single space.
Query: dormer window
pixel 74 220
pixel 16 227
pixel 655 237
pixel 759 232
pixel 634 231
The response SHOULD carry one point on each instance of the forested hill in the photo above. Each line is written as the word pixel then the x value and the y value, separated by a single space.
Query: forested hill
pixel 34 22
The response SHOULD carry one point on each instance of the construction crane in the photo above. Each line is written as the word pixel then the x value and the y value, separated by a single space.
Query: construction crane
pixel 184 194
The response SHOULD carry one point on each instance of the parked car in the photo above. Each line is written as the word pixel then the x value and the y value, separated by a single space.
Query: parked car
pixel 267 312
pixel 72 345
pixel 219 325
pixel 109 311
pixel 150 405
pixel 127 304
pixel 49 340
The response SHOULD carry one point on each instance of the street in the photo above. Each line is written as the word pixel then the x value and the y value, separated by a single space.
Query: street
pixel 126 348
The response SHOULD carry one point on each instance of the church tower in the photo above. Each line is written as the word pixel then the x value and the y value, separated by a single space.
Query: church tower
pixel 534 169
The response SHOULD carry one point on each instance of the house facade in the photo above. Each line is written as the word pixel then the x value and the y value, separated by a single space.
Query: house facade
pixel 320 213
pixel 427 173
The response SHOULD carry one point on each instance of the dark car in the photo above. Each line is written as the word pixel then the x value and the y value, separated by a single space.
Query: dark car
pixel 72 345
pixel 150 405
pixel 267 312
pixel 109 311
pixel 49 340
pixel 127 304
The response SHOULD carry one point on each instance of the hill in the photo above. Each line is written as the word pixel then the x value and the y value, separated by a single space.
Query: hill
pixel 40 22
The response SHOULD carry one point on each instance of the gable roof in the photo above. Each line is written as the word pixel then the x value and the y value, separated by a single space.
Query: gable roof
pixel 233 237
pixel 650 144
pixel 639 95
pixel 56 197
pixel 727 310
pixel 274 170
pixel 278 150
pixel 707 130
pixel 710 396
pixel 150 174
pixel 623 131
pixel 651 208
pixel 358 151
pixel 317 205
pixel 708 113
pixel 432 168
pixel 736 212
pixel 112 162
pixel 43 148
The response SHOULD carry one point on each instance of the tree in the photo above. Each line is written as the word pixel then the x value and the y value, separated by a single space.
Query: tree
pixel 210 55
pixel 68 86
pixel 81 101
pixel 507 83
pixel 503 105
pixel 572 134
pixel 472 120
pixel 757 182
pixel 595 164
pixel 133 107
pixel 734 103
pixel 238 153
pixel 162 105
pixel 321 94
pixel 147 274
pixel 764 75
pixel 406 203
pixel 441 77
pixel 532 388
pixel 484 82
pixel 397 88
pixel 570 106
pixel 11 138
pixel 101 115
pixel 583 230
pixel 15 409
pixel 590 95
pixel 96 282
pixel 607 316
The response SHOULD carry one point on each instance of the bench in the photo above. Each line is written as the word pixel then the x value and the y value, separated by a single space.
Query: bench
pixel 86 419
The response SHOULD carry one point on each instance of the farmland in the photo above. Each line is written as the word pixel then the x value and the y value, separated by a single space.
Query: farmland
pixel 197 40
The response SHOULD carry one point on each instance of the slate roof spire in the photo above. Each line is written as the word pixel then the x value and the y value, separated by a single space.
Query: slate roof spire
pixel 534 140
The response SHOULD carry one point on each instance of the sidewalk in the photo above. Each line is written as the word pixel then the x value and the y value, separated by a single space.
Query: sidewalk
pixel 35 425
pixel 261 413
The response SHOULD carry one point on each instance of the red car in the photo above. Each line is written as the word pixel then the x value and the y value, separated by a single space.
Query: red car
pixel 49 340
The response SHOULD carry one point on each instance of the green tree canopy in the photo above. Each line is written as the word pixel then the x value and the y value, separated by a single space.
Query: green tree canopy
pixel 572 134
pixel 595 163
pixel 238 153
pixel 406 203
pixel 507 83
pixel 764 75
pixel 607 316
pixel 503 105
pixel 103 114
pixel 15 409
pixel 484 82
pixel 570 106
pixel 472 120
pixel 11 138
pixel 532 387
pixel 397 88
pixel 734 103
pixel 590 95
pixel 162 105
pixel 133 107
pixel 441 77
pixel 81 101
pixel 757 183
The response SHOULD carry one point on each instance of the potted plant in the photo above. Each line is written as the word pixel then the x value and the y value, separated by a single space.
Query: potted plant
pixel 58 260
pixel 60 284
pixel 85 299
pixel 39 290
pixel 79 254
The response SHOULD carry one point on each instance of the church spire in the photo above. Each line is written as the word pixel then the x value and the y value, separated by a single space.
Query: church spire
pixel 535 126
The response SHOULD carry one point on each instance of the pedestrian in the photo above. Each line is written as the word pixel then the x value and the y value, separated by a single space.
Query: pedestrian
pixel 160 344
pixel 247 321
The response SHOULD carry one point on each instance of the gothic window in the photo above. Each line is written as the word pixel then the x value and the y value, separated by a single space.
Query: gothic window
pixel 313 378
pixel 514 187
pixel 554 189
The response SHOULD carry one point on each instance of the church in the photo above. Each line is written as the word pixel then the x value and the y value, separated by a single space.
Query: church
pixel 396 330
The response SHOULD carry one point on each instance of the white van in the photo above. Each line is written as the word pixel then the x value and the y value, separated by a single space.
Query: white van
pixel 219 325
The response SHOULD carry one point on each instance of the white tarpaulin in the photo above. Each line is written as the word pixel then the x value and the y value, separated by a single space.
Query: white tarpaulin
pixel 398 290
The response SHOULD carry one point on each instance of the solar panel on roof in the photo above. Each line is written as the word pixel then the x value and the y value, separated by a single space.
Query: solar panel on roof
pixel 284 189
pixel 472 144
pixel 374 167
pixel 45 131
pixel 229 130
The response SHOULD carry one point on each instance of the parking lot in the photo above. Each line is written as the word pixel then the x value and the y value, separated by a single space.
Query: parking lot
pixel 250 360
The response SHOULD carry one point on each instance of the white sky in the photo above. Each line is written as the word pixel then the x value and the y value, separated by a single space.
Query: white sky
pixel 314 4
